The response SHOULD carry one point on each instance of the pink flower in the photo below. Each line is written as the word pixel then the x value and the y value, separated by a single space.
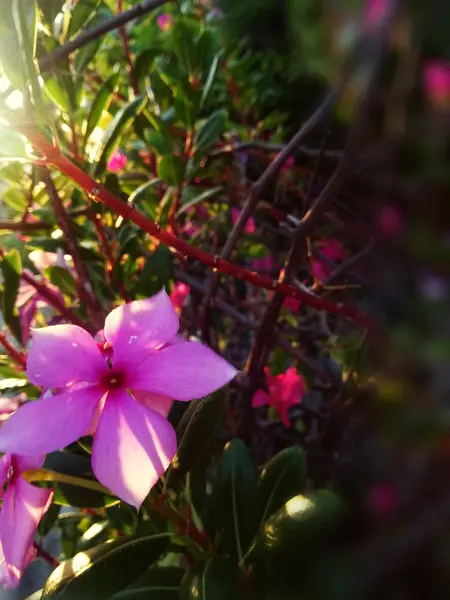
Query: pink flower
pixel 331 249
pixel 390 221
pixel 133 441
pixel 292 304
pixel 374 12
pixel 179 294
pixel 285 390
pixel 436 80
pixel 164 21
pixel 265 264
pixel 117 162
pixel 22 509
pixel 250 226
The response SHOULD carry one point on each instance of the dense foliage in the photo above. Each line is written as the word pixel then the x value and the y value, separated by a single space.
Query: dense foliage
pixel 280 169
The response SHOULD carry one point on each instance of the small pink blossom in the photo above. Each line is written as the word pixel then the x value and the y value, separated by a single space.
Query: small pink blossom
pixel 331 249
pixel 117 162
pixel 264 265
pixel 250 226
pixel 436 80
pixel 179 294
pixel 22 508
pixel 285 390
pixel 390 221
pixel 292 304
pixel 116 395
pixel 383 500
pixel 164 21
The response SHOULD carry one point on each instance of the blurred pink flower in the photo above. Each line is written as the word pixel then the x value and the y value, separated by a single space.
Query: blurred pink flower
pixel 332 249
pixel 383 500
pixel 117 162
pixel 292 304
pixel 285 390
pixel 179 294
pixel 133 442
pixel 265 264
pixel 374 12
pixel 22 508
pixel 436 81
pixel 164 21
pixel 250 226
pixel 390 221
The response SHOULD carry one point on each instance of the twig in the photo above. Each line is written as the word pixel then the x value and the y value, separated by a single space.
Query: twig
pixel 52 561
pixel 127 53
pixel 258 187
pixel 23 226
pixel 345 266
pixel 84 282
pixel 55 157
pixel 274 148
pixel 50 61
pixel 13 352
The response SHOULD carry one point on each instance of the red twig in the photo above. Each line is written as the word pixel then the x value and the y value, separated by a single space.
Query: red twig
pixel 127 53
pixel 55 157
pixel 52 561
pixel 13 352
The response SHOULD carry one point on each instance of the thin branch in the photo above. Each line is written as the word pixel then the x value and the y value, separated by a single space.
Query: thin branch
pixel 324 110
pixel 13 352
pixel 127 53
pixel 274 149
pixel 50 61
pixel 96 190
pixel 52 561
pixel 24 226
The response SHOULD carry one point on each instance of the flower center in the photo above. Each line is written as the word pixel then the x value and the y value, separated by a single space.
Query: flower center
pixel 114 380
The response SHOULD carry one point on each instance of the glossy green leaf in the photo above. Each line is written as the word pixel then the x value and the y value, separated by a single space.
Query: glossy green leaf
pixel 234 497
pixel 184 46
pixel 122 120
pixel 211 78
pixel 15 199
pixel 11 265
pixel 158 142
pixel 198 199
pixel 58 93
pixel 80 14
pixel 217 580
pixel 99 573
pixel 101 103
pixel 283 478
pixel 159 125
pixel 157 273
pixel 11 56
pixel 143 190
pixel 171 169
pixel 13 147
pixel 86 54
pixel 35 596
pixel 157 582
pixel 71 495
pixel 210 131
pixel 62 279
pixel 196 434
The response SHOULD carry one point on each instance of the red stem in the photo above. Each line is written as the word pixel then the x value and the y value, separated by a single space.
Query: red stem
pixel 127 53
pixel 55 157
pixel 13 352
pixel 52 561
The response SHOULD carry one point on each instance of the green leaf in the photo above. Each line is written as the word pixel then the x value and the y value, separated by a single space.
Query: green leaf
pixel 12 270
pixel 58 93
pixel 298 529
pixel 196 434
pixel 159 125
pixel 15 199
pixel 217 580
pixel 62 279
pixel 283 478
pixel 11 55
pixel 158 142
pixel 142 192
pixel 234 499
pixel 157 582
pixel 101 103
pixel 71 495
pixel 210 79
pixel 184 46
pixel 50 9
pixel 122 120
pixel 210 131
pixel 171 169
pixel 35 596
pixel 86 54
pixel 13 146
pixel 100 572
pixel 198 199
pixel 80 15
pixel 157 273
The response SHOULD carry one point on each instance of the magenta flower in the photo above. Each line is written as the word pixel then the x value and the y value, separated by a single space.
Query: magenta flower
pixel 179 294
pixel 334 251
pixel 22 509
pixel 250 226
pixel 436 80
pixel 117 162
pixel 264 265
pixel 374 12
pixel 285 390
pixel 164 21
pixel 115 393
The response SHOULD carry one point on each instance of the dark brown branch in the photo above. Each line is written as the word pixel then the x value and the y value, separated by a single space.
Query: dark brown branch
pixel 24 226
pixel 50 61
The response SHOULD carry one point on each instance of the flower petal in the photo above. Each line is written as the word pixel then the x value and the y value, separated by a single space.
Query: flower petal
pixel 51 423
pixel 26 463
pixel 63 354
pixel 137 328
pixel 133 446
pixel 22 509
pixel 260 398
pixel 162 404
pixel 183 372
pixel 5 463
